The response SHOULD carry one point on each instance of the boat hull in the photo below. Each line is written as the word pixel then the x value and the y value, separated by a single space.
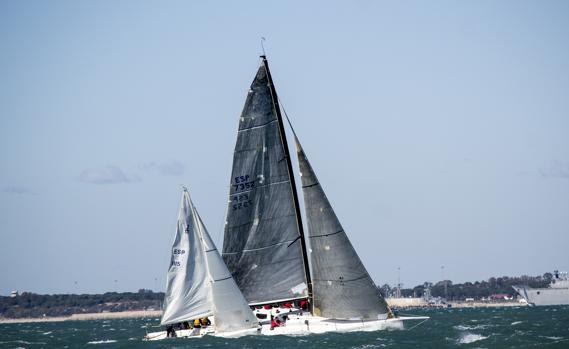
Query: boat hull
pixel 544 296
pixel 299 325
pixel 191 333
pixel 200 332
pixel 307 324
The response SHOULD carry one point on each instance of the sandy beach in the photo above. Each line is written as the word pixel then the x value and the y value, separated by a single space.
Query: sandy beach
pixel 88 316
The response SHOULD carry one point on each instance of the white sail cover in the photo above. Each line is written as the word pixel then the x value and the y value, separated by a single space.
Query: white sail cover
pixel 199 283
pixel 342 287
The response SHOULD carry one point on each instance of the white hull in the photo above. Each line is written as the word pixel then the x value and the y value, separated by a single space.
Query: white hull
pixel 199 333
pixel 298 325
pixel 307 324
pixel 193 333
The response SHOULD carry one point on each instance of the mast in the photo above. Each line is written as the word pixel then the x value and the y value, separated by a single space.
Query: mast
pixel 292 180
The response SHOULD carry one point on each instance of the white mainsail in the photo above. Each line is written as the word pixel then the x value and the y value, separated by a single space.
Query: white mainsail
pixel 188 290
pixel 199 283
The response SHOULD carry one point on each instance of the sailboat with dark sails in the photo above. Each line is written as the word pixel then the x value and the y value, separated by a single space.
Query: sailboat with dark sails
pixel 265 245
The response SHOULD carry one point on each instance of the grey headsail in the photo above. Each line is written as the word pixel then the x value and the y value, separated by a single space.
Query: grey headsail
pixel 341 285
pixel 261 245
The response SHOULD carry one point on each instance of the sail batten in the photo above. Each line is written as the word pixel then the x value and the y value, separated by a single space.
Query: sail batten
pixel 342 287
pixel 262 248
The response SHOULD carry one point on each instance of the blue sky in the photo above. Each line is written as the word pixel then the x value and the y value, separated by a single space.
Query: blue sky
pixel 439 131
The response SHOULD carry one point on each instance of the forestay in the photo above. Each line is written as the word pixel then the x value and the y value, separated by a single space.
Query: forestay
pixel 261 247
pixel 199 283
pixel 342 287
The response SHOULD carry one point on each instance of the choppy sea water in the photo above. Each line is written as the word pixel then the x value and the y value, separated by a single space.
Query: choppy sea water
pixel 539 327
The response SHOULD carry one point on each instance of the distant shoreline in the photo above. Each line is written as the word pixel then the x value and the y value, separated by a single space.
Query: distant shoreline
pixel 421 303
pixel 88 316
pixel 158 313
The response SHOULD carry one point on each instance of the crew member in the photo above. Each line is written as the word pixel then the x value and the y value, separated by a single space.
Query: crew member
pixel 170 332
pixel 205 321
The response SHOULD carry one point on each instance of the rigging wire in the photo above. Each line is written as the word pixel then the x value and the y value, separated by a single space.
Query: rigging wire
pixel 409 329
pixel 287 118
pixel 219 232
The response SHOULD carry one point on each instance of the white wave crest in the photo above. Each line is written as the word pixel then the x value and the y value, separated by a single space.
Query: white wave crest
pixel 105 341
pixel 467 327
pixel 516 323
pixel 470 338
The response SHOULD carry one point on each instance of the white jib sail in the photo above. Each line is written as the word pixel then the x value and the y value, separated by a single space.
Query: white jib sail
pixel 199 283
pixel 230 309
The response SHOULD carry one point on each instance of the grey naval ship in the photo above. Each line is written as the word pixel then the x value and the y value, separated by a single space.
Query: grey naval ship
pixel 556 294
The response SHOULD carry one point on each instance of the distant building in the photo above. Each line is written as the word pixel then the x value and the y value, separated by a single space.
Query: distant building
pixel 14 294
pixel 500 296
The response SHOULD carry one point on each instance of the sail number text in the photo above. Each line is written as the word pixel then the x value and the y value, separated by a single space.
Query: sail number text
pixel 175 253
pixel 241 201
pixel 243 183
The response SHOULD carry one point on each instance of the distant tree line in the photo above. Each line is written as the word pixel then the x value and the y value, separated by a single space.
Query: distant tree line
pixel 36 305
pixel 476 290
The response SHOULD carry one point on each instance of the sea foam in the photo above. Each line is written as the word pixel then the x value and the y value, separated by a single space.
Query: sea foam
pixel 470 338
pixel 105 341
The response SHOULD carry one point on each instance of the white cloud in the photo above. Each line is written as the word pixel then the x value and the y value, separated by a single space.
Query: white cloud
pixel 556 170
pixel 107 175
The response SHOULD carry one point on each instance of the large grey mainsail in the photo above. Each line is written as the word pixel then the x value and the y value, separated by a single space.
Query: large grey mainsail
pixel 261 244
pixel 341 285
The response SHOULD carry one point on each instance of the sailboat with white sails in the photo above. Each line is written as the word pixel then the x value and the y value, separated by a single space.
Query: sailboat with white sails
pixel 199 284
pixel 265 246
